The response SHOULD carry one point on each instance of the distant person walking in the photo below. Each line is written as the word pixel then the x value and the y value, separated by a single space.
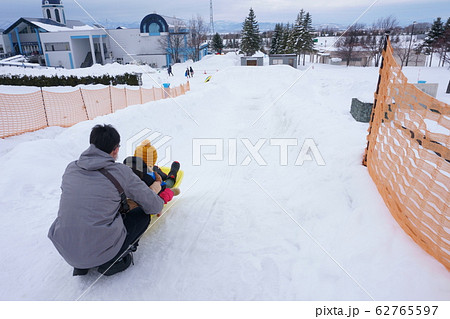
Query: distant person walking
pixel 187 73
pixel 191 71
pixel 169 70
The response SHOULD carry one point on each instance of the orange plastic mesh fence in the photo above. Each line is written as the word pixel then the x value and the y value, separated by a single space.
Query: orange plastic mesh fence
pixel 20 113
pixel 133 97
pixel 176 91
pixel 118 98
pixel 148 95
pixel 159 94
pixel 97 102
pixel 167 92
pixel 408 158
pixel 64 109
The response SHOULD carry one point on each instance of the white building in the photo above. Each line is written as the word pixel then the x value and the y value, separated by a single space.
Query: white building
pixel 3 45
pixel 59 42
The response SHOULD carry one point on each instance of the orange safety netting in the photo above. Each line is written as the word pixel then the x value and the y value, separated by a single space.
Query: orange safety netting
pixel 167 92
pixel 97 102
pixel 118 98
pixel 133 97
pixel 64 109
pixel 159 94
pixel 148 95
pixel 20 113
pixel 408 158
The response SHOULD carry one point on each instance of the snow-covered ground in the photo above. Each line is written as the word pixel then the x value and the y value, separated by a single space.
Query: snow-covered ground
pixel 237 232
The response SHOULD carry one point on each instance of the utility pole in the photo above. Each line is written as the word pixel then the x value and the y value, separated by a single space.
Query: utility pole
pixel 211 19
pixel 410 40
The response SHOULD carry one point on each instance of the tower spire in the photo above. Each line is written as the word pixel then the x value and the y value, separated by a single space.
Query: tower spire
pixel 54 10
pixel 211 19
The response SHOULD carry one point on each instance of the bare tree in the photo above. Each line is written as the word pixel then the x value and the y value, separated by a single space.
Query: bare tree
pixel 400 47
pixel 173 43
pixel 386 24
pixel 378 30
pixel 198 31
pixel 417 51
pixel 349 45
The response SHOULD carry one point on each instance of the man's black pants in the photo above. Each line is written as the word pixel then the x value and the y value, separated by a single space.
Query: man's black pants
pixel 136 222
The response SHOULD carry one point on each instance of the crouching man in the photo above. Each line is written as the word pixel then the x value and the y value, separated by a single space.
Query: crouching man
pixel 92 228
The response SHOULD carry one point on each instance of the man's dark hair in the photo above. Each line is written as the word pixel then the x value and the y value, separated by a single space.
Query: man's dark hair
pixel 105 137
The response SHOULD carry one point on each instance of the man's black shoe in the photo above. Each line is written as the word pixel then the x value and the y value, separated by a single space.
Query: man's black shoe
pixel 134 247
pixel 122 264
pixel 80 272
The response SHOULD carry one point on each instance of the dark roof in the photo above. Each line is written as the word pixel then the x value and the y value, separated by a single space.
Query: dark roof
pixel 30 21
pixel 51 2
pixel 282 55
pixel 154 18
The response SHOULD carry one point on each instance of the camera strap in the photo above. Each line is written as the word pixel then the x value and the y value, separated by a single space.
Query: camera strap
pixel 124 207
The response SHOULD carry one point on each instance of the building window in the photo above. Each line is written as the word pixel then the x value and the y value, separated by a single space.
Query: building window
pixel 1 49
pixel 153 28
pixel 277 61
pixel 57 46
pixel 49 15
pixel 27 29
pixel 58 18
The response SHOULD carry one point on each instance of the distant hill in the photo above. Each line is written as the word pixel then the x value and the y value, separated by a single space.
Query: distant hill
pixel 230 26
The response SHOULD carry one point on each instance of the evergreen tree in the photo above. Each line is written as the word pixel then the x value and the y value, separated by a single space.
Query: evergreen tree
pixel 291 40
pixel 297 33
pixel 284 45
pixel 307 36
pixel 432 40
pixel 276 39
pixel 251 40
pixel 217 43
pixel 446 43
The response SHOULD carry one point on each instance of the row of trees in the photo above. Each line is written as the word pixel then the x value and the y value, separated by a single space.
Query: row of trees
pixel 359 39
pixel 297 38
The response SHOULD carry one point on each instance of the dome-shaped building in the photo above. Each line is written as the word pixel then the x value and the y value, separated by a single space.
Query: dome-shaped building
pixel 56 42
pixel 54 10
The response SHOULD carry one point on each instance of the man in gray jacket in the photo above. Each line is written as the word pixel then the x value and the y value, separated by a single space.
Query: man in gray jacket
pixel 89 231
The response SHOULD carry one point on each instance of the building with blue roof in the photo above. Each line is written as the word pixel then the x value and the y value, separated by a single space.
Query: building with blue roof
pixel 58 42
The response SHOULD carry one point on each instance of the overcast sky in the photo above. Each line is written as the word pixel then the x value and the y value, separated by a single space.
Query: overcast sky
pixel 342 12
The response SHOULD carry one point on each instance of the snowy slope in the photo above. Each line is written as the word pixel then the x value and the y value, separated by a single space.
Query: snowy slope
pixel 238 232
